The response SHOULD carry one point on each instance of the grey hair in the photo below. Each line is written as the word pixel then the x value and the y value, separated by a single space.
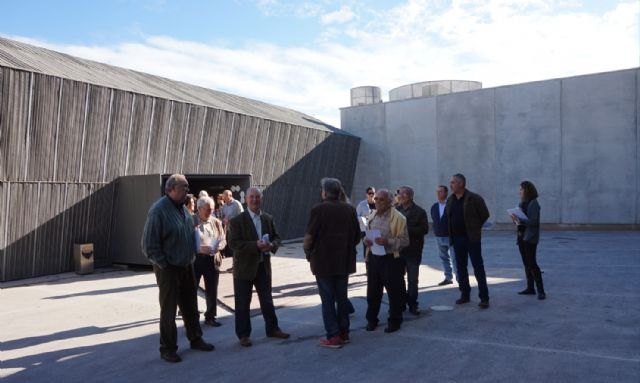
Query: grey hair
pixel 205 200
pixel 172 181
pixel 203 193
pixel 331 187
pixel 254 189
pixel 408 189
pixel 385 192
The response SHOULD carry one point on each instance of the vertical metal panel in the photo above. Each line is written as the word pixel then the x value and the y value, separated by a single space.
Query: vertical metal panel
pixel 175 145
pixel 271 152
pixel 94 149
pixel 193 136
pixel 98 223
pixel 44 118
pixel 159 136
pixel 261 152
pixel 210 136
pixel 139 137
pixel 222 142
pixel 13 125
pixel 118 134
pixel 21 237
pixel 69 139
pixel 236 141
pixel 50 229
pixel 248 136
pixel 4 226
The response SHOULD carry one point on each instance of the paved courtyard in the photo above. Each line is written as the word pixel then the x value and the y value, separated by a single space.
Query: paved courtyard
pixel 103 327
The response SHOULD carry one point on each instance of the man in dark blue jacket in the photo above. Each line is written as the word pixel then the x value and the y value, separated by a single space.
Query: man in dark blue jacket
pixel 441 231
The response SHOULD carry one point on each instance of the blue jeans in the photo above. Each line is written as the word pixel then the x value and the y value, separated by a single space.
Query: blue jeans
pixel 333 292
pixel 466 249
pixel 448 258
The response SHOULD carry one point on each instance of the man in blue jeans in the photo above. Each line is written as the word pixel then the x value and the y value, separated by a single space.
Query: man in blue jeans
pixel 441 231
pixel 467 212
pixel 330 241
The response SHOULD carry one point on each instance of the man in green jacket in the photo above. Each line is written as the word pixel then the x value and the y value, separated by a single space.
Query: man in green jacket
pixel 168 242
pixel 466 213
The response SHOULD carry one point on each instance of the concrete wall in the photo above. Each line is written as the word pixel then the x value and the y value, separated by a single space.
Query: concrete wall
pixel 577 139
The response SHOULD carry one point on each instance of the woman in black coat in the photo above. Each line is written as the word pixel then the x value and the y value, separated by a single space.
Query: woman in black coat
pixel 528 237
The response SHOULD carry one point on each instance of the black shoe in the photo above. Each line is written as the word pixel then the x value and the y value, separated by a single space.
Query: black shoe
pixel 414 310
pixel 527 291
pixel 371 326
pixel 171 357
pixel 389 329
pixel 201 345
pixel 483 304
pixel 445 282
pixel 542 296
pixel 462 300
pixel 212 322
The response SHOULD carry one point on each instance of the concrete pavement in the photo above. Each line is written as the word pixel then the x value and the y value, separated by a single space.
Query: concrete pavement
pixel 103 327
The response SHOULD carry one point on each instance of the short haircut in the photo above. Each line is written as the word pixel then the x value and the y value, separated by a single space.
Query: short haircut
pixel 331 187
pixel 461 178
pixel 172 181
pixel 386 192
pixel 206 200
pixel 408 189
pixel 529 190
pixel 254 189
pixel 446 189
pixel 370 189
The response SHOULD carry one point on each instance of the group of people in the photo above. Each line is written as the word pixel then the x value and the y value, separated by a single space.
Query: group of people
pixel 391 227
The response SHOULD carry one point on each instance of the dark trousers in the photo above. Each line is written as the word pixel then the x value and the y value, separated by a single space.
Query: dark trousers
pixel 204 266
pixel 385 272
pixel 243 290
pixel 335 304
pixel 531 269
pixel 177 287
pixel 412 269
pixel 464 250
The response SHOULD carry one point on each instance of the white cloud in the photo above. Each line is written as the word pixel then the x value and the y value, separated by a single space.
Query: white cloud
pixel 497 42
pixel 341 16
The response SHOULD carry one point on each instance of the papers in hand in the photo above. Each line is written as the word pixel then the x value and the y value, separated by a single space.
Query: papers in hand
pixel 518 213
pixel 376 249
pixel 265 238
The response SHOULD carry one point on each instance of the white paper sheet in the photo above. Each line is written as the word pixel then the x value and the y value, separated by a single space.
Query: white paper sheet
pixel 375 248
pixel 518 213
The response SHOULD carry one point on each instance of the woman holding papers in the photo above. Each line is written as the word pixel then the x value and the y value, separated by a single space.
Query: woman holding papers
pixel 210 239
pixel 528 223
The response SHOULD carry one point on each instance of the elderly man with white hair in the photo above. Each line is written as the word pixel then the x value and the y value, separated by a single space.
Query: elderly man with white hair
pixel 210 240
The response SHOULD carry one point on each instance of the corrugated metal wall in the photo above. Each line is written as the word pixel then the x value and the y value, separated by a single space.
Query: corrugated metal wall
pixel 63 142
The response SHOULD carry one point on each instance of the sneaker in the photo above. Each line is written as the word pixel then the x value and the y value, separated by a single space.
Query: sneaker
pixel 335 342
pixel 344 335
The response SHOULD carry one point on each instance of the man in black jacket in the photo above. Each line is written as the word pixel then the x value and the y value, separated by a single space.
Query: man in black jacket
pixel 418 227
pixel 467 212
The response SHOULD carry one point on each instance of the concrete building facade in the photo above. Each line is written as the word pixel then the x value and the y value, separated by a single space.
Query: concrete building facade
pixel 577 139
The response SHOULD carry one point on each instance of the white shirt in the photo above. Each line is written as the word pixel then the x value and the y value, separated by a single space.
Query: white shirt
pixel 441 206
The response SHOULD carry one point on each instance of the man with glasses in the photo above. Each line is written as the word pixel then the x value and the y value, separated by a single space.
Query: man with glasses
pixel 168 242
pixel 388 230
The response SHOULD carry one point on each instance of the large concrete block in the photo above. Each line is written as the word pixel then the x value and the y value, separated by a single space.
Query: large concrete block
pixel 466 141
pixel 367 122
pixel 413 147
pixel 599 144
pixel 528 146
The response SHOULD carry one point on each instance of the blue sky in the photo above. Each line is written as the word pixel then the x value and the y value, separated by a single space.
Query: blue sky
pixel 306 55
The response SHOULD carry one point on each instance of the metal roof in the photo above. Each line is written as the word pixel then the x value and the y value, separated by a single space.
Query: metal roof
pixel 21 56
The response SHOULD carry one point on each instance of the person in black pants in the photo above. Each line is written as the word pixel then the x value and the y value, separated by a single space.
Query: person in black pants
pixel 528 237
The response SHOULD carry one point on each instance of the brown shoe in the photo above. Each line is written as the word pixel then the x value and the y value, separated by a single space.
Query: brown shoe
pixel 245 341
pixel 279 334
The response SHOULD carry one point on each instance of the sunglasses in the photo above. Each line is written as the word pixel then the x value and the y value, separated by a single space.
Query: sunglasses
pixel 371 193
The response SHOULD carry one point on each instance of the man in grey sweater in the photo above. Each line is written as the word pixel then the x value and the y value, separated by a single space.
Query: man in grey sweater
pixel 168 242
